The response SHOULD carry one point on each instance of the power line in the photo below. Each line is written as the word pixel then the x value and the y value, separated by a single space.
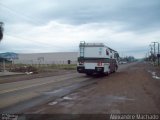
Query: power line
pixel 39 42
pixel 28 18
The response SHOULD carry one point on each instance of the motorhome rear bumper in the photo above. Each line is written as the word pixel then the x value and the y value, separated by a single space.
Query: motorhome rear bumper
pixel 81 69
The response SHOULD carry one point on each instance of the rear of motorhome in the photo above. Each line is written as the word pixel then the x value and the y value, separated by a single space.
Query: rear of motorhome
pixel 96 58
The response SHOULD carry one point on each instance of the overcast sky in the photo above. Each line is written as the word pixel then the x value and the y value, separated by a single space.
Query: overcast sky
pixel 128 26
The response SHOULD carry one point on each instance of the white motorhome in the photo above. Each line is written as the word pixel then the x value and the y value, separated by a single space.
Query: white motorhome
pixel 96 58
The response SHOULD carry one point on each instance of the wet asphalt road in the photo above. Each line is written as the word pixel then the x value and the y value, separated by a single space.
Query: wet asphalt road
pixel 17 97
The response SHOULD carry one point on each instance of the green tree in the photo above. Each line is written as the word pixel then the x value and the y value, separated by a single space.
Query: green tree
pixel 1 30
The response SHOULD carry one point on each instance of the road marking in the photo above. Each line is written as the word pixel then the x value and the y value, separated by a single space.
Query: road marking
pixel 21 88
pixel 34 85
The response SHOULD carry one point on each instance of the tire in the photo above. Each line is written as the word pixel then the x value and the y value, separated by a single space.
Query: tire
pixel 106 74
pixel 115 69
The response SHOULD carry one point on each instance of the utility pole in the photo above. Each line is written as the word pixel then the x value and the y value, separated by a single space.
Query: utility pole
pixel 151 48
pixel 158 54
pixel 151 52
pixel 154 47
pixel 154 52
pixel 4 65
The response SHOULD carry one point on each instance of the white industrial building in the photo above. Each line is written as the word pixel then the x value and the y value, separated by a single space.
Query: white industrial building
pixel 47 58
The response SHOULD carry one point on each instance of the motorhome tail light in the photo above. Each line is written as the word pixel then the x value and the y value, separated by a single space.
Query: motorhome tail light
pixel 99 63
pixel 81 62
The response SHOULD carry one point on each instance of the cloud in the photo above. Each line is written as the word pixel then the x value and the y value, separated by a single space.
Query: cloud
pixel 56 37
pixel 134 14
pixel 54 25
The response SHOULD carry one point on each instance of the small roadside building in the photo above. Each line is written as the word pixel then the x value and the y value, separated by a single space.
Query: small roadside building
pixel 7 57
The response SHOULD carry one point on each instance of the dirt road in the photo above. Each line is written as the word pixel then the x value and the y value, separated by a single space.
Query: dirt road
pixel 130 90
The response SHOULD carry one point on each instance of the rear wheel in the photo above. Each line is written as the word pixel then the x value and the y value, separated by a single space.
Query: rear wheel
pixel 115 69
pixel 106 73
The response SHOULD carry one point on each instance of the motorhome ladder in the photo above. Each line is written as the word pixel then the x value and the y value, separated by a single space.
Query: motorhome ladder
pixel 82 45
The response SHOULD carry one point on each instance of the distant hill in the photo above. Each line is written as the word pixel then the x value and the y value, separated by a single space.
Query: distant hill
pixel 9 55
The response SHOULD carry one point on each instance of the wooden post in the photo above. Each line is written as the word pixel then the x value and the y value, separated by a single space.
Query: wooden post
pixel 4 66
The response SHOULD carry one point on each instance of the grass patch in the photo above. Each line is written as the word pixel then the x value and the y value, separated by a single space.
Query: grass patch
pixel 43 67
